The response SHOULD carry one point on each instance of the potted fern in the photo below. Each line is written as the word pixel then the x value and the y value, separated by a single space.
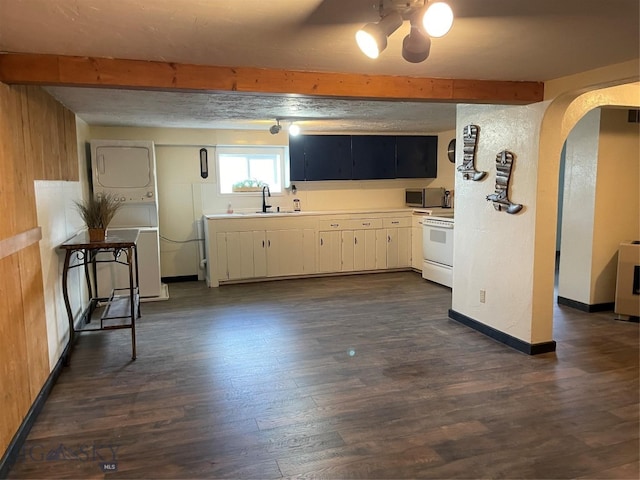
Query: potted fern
pixel 97 212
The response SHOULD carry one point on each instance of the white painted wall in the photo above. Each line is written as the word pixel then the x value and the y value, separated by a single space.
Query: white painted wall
pixel 183 196
pixel 59 221
pixel 581 161
pixel 602 206
pixel 617 205
pixel 493 250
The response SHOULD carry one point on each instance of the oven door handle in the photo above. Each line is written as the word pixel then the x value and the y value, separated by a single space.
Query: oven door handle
pixel 439 225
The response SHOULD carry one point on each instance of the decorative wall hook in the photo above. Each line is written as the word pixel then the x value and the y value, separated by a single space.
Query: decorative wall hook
pixel 500 199
pixel 470 139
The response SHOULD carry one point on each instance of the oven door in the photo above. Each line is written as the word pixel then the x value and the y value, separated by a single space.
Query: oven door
pixel 437 240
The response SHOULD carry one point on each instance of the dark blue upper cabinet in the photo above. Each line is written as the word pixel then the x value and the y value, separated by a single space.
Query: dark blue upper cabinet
pixel 296 158
pixel 327 157
pixel 416 156
pixel 374 157
pixel 362 157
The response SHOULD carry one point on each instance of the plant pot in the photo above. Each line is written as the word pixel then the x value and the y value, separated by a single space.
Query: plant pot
pixel 96 234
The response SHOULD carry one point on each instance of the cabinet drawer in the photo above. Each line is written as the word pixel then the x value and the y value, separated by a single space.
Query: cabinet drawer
pixel 331 224
pixel 397 222
pixel 362 223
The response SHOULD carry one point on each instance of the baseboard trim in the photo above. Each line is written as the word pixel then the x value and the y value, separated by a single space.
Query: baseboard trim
pixel 513 342
pixel 181 278
pixel 17 442
pixel 585 307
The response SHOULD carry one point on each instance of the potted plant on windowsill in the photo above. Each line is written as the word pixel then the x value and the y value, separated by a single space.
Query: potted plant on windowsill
pixel 97 212
pixel 248 185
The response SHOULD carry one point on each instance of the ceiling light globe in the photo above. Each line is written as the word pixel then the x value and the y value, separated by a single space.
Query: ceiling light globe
pixel 368 43
pixel 294 130
pixel 438 19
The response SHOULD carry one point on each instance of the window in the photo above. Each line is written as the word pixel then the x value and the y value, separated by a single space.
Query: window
pixel 243 170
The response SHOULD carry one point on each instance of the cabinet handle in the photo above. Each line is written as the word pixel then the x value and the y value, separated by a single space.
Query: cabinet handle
pixel 321 242
pixel 395 222
pixel 389 238
pixel 355 240
pixel 262 243
pixel 269 243
pixel 366 224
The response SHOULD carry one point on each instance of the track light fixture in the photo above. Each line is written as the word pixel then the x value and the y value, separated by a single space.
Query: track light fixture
pixel 275 129
pixel 431 20
pixel 417 45
pixel 372 38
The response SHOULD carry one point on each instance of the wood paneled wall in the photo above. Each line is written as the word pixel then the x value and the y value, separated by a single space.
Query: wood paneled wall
pixel 37 142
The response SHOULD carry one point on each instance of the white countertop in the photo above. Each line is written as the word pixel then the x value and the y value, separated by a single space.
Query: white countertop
pixel 290 213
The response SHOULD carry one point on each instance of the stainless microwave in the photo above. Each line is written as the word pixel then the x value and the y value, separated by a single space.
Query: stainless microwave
pixel 424 197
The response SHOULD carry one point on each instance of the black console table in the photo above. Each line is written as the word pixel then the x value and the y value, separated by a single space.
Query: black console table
pixel 122 307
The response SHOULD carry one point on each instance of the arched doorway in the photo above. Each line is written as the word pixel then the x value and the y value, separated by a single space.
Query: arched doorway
pixel 562 115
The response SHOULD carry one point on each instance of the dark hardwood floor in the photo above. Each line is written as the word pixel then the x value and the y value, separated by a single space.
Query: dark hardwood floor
pixel 341 377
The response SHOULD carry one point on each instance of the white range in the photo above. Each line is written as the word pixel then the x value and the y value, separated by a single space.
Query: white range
pixel 437 248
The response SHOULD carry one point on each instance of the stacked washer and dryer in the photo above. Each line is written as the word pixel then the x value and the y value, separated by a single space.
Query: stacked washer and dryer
pixel 127 170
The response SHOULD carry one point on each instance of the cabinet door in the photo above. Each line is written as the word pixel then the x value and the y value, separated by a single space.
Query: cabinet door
pixel 348 250
pixel 296 157
pixel 369 249
pixel 416 248
pixel 309 251
pixel 416 156
pixel 359 247
pixel 259 253
pixel 392 248
pixel 290 244
pixel 240 261
pixel 220 269
pixel 381 248
pixel 329 251
pixel 374 157
pixel 404 247
pixel 284 252
pixel 327 157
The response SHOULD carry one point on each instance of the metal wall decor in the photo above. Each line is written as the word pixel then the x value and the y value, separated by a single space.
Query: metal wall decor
pixel 500 199
pixel 468 169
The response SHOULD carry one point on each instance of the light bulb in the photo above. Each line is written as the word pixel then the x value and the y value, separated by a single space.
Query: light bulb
pixel 367 44
pixel 438 19
pixel 294 130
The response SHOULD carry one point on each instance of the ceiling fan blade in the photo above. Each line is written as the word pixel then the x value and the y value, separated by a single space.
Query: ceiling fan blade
pixel 331 12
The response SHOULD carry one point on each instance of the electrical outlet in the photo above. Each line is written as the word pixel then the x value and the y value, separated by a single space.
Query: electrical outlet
pixel 483 296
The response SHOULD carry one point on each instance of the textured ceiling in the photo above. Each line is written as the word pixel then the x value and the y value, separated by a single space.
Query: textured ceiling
pixel 534 40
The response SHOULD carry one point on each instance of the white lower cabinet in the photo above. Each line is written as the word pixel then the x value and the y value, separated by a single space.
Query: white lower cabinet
pixel 329 258
pixel 359 250
pixel 290 252
pixel 243 248
pixel 240 255
pixel 284 253
pixel 398 247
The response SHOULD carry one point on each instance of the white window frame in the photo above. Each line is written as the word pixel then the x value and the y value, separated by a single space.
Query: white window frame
pixel 282 166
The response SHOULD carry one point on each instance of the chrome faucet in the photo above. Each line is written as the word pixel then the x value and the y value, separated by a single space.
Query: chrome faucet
pixel 264 201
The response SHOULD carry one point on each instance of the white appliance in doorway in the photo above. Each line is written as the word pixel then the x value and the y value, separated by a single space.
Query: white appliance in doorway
pixel 437 248
pixel 628 280
pixel 127 170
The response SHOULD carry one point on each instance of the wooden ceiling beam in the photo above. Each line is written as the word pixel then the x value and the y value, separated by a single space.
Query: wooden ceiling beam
pixel 57 70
